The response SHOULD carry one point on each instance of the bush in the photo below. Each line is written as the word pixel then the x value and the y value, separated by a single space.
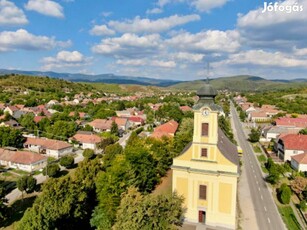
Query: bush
pixel 284 194
pixel 52 170
pixel 88 153
pixel 255 134
pixel 303 205
pixel 67 161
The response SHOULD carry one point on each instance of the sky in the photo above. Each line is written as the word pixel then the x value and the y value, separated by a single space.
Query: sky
pixel 165 39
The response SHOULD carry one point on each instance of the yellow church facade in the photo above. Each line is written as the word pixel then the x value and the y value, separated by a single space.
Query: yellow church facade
pixel 206 173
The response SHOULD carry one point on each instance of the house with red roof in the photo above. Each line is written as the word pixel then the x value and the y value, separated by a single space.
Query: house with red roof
pixel 37 119
pixel 185 108
pixel 50 147
pixel 86 140
pixel 136 121
pixel 11 110
pixel 291 122
pixel 168 129
pixel 122 122
pixel 299 162
pixel 291 145
pixel 101 125
pixel 82 115
pixel 26 161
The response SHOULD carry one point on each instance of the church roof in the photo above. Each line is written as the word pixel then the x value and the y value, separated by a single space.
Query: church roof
pixel 206 90
pixel 227 148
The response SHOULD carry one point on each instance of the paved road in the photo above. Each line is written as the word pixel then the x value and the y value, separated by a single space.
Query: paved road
pixel 266 211
pixel 122 140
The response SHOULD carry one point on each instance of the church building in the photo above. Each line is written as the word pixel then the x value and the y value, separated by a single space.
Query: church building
pixel 206 172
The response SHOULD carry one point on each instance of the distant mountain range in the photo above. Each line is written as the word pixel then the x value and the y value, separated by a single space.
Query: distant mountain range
pixel 243 83
pixel 237 83
pixel 102 78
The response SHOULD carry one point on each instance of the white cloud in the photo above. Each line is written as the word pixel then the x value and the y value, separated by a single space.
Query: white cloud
pixel 10 14
pixel 264 58
pixel 101 30
pixel 207 41
pixel 207 5
pixel 129 45
pixel 147 62
pixel 46 7
pixel 200 5
pixel 300 52
pixel 276 29
pixel 139 25
pixel 154 11
pixel 22 39
pixel 65 59
pixel 190 57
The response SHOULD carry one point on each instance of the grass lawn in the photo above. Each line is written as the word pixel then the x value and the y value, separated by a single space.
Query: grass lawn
pixel 288 217
pixel 264 169
pixel 256 148
pixel 261 158
pixel 165 186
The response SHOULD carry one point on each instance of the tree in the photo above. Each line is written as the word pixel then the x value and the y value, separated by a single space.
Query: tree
pixel 27 121
pixel 26 184
pixel 51 170
pixel 105 142
pixel 110 154
pixel 11 137
pixel 254 135
pixel 61 130
pixel 184 135
pixel 3 208
pixel 303 131
pixel 298 185
pixel 284 194
pixel 114 128
pixel 89 153
pixel 303 205
pixel 242 115
pixel 67 161
pixel 137 211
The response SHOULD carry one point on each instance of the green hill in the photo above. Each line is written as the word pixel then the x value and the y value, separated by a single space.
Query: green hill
pixel 241 83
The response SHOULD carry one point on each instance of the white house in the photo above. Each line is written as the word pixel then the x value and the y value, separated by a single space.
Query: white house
pixel 52 148
pixel 22 160
pixel 291 145
pixel 299 162
pixel 87 141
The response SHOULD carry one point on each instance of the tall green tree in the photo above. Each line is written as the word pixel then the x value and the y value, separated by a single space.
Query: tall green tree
pixel 137 211
pixel 3 207
pixel 254 135
pixel 11 137
pixel 114 128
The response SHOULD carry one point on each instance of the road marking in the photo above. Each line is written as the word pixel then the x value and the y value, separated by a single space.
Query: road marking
pixel 256 182
pixel 253 171
pixel 265 209
pixel 259 188
pixel 255 176
pixel 261 197
pixel 269 220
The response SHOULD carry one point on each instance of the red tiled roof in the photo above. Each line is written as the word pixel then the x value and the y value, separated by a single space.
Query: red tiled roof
pixel 47 143
pixel 101 124
pixel 300 158
pixel 81 114
pixel 136 119
pixel 87 138
pixel 167 129
pixel 13 108
pixel 38 118
pixel 295 142
pixel 120 121
pixel 185 108
pixel 21 157
pixel 287 121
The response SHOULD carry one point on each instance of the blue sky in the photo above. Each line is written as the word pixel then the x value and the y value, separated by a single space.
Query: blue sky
pixel 171 39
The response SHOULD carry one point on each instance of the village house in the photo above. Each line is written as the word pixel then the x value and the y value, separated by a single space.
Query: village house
pixel 82 115
pixel 122 123
pixel 299 162
pixel 11 109
pixel 291 122
pixel 291 145
pixel 185 108
pixel 273 132
pixel 22 160
pixel 52 148
pixel 168 129
pixel 101 125
pixel 11 123
pixel 136 121
pixel 86 140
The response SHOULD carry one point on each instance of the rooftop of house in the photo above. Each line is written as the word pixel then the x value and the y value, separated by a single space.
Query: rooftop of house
pixel 167 128
pixel 21 157
pixel 101 123
pixel 287 121
pixel 47 143
pixel 300 158
pixel 87 138
pixel 295 141
pixel 185 108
